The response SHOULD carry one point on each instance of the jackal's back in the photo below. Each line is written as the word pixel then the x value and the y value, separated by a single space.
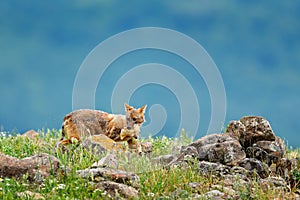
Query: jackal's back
pixel 83 123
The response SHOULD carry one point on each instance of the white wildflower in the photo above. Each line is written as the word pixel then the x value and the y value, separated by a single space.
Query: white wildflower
pixel 61 186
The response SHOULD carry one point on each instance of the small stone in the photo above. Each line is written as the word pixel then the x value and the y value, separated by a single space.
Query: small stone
pixel 235 180
pixel 241 172
pixel 273 181
pixel 31 134
pixel 187 155
pixel 189 150
pixel 108 161
pixel 214 194
pixel 118 176
pixel 284 167
pixel 227 190
pixel 146 147
pixel 179 193
pixel 116 190
pixel 195 185
pixel 262 155
pixel 254 165
pixel 207 168
pixel 164 159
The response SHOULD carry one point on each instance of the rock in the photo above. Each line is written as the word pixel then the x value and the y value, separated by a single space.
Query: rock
pixel 108 161
pixel 241 173
pixel 275 148
pixel 146 147
pixel 179 194
pixel 208 168
pixel 100 174
pixel 37 167
pixel 227 190
pixel 236 181
pixel 254 165
pixel 10 167
pixel 262 155
pixel 196 196
pixel 214 194
pixel 187 155
pixel 219 148
pixel 114 189
pixel 195 185
pixel 189 150
pixel 256 129
pixel 31 134
pixel 235 129
pixel 164 159
pixel 211 139
pixel 284 167
pixel 272 181
pixel 34 136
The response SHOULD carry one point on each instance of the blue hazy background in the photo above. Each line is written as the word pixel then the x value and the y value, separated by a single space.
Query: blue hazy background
pixel 255 44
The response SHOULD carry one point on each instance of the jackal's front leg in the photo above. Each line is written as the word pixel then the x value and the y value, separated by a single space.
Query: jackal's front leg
pixel 134 144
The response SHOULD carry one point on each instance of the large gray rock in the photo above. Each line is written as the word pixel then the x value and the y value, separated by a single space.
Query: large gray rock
pixel 37 167
pixel 220 148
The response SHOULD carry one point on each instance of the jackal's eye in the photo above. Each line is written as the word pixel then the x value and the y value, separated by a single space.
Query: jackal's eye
pixel 134 119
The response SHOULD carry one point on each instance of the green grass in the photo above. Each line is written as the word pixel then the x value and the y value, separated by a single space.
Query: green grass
pixel 155 181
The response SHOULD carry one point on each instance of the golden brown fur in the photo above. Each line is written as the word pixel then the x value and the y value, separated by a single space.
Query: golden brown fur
pixel 82 123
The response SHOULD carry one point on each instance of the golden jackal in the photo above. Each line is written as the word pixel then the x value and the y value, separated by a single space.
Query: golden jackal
pixel 82 123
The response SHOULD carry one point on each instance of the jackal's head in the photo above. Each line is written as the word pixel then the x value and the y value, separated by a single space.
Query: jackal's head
pixel 134 117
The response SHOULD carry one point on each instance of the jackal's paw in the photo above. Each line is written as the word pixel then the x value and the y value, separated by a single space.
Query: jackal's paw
pixel 127 134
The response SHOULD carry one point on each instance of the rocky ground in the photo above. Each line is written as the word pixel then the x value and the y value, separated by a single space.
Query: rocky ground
pixel 248 150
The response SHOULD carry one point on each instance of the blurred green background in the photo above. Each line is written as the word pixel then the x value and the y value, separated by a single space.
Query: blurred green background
pixel 255 44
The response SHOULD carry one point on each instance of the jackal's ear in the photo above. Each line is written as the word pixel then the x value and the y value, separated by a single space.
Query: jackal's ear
pixel 128 107
pixel 142 109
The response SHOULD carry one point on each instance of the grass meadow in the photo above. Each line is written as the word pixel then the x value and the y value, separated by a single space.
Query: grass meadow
pixel 155 182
